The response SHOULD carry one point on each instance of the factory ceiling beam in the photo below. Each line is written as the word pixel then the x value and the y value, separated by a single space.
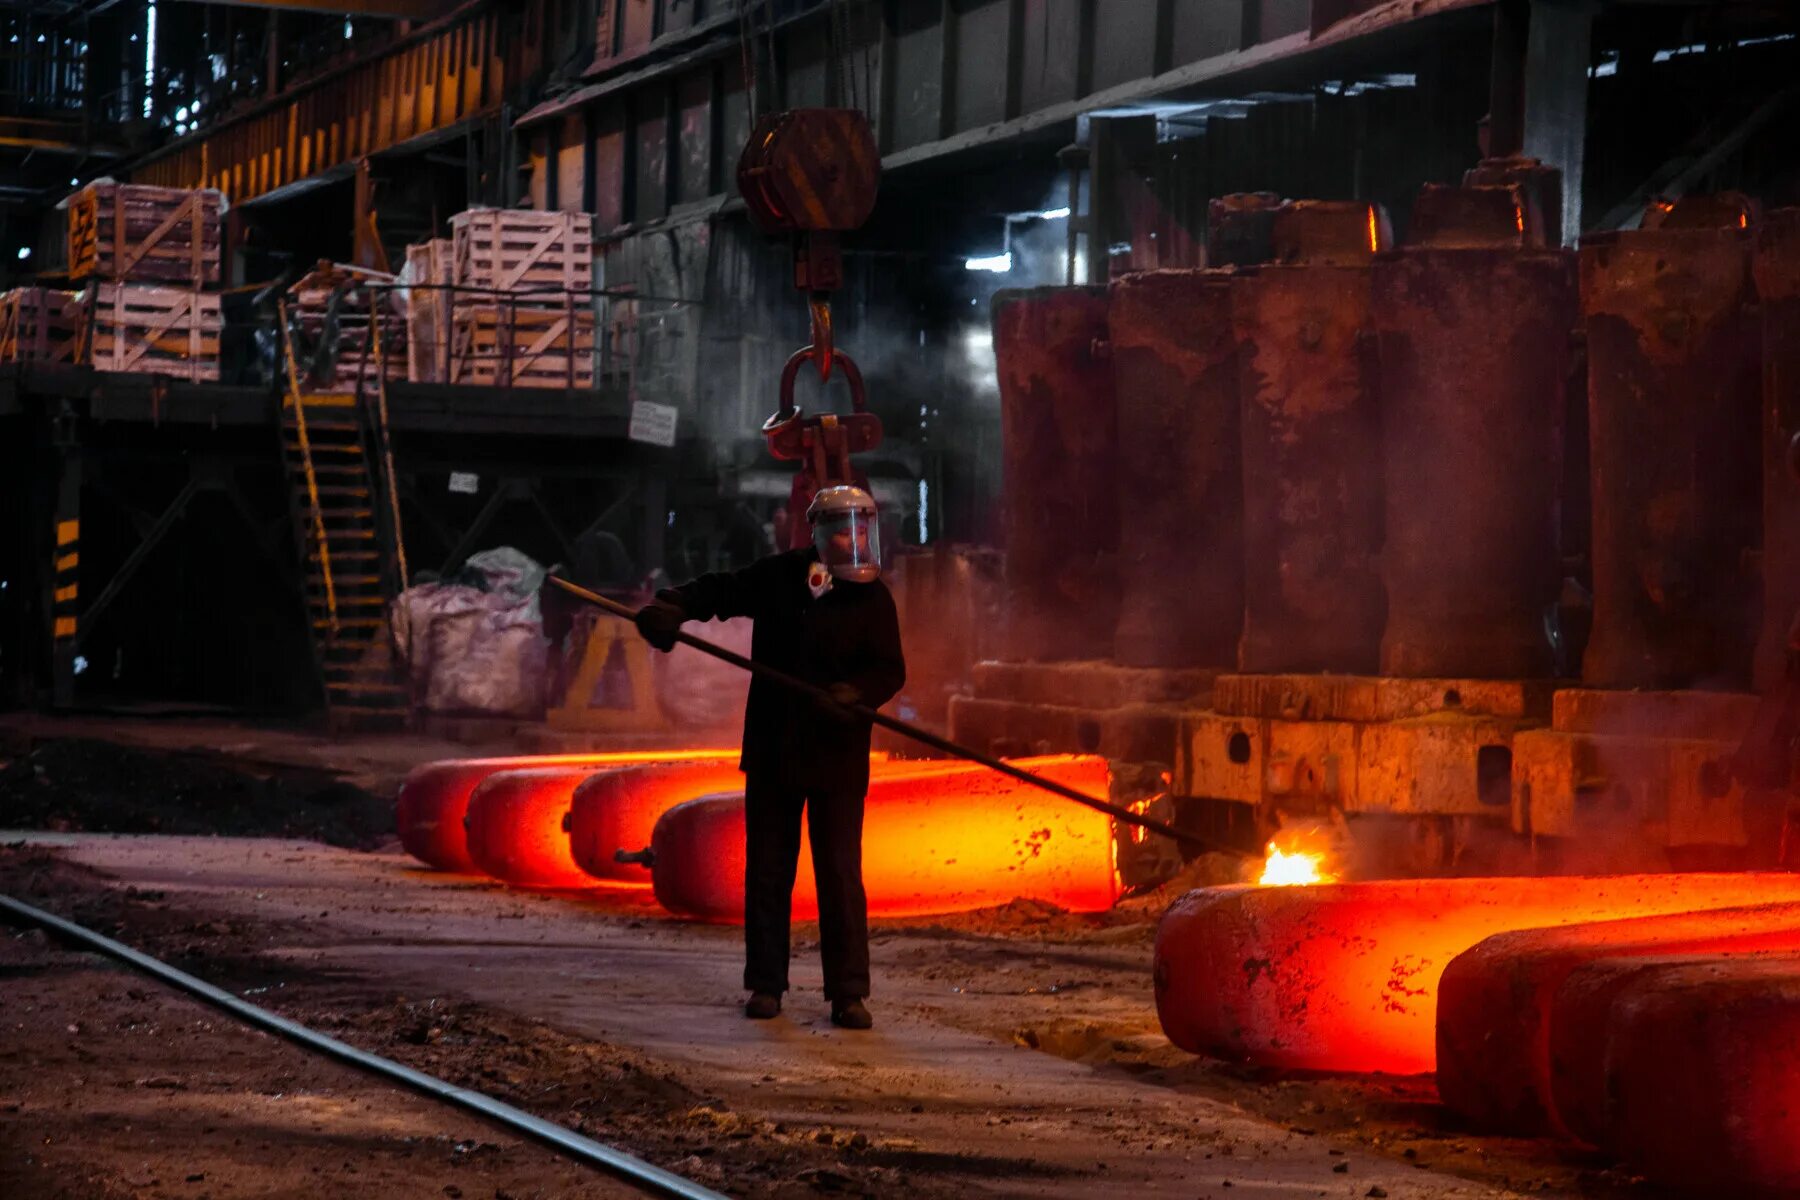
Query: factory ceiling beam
pixel 409 10
pixel 444 76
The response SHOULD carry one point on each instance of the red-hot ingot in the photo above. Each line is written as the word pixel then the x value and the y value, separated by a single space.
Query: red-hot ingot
pixel 1673 396
pixel 1312 471
pixel 1494 1001
pixel 1581 1016
pixel 434 799
pixel 935 842
pixel 1059 452
pixel 1474 347
pixel 516 829
pixel 1344 977
pixel 1703 1078
pixel 1180 471
pixel 1776 269
pixel 618 810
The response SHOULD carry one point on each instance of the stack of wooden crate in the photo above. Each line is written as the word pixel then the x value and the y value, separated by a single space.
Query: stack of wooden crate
pixel 39 325
pixel 429 273
pixel 522 313
pixel 148 256
pixel 332 308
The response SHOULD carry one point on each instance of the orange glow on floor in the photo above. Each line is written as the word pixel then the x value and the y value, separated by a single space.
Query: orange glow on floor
pixel 938 841
pixel 1344 976
pixel 433 802
pixel 1495 1000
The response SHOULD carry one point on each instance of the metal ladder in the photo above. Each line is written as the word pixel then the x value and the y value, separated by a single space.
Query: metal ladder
pixel 348 581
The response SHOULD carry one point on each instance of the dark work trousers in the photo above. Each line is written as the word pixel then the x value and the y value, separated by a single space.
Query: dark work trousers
pixel 834 821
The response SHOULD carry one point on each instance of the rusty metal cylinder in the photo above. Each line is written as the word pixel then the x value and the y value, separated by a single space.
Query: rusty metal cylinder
pixel 1776 269
pixel 1181 503
pixel 1673 395
pixel 1474 356
pixel 1060 458
pixel 1312 470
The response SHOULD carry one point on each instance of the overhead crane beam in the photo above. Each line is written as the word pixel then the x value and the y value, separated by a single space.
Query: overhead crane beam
pixel 435 80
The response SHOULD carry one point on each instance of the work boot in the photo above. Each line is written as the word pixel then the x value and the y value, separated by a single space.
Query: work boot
pixel 851 1014
pixel 762 1006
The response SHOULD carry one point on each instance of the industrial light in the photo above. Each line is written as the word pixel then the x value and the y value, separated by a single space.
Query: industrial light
pixel 24 253
pixel 998 263
pixel 149 59
pixel 1054 214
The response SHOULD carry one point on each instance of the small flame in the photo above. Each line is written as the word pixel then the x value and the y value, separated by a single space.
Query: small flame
pixel 1374 232
pixel 1297 857
pixel 1743 220
pixel 1138 833
pixel 1519 216
pixel 1292 870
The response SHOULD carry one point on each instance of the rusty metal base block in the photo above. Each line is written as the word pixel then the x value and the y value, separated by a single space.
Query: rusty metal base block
pixel 1360 745
pixel 1642 774
pixel 1129 714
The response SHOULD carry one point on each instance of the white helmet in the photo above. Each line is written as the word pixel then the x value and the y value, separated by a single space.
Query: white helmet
pixel 847 533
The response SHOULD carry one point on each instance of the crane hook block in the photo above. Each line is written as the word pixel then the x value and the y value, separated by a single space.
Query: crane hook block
pixel 810 170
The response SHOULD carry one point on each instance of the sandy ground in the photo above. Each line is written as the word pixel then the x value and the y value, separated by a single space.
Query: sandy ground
pixel 1016 1053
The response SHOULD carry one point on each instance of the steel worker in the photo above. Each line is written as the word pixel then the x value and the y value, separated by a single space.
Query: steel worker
pixel 821 613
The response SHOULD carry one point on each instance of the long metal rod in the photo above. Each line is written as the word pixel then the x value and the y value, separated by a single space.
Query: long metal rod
pixel 387 442
pixel 775 675
pixel 595 1154
pixel 312 479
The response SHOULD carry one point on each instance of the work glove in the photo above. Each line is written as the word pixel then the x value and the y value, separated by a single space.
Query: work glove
pixel 658 622
pixel 843 695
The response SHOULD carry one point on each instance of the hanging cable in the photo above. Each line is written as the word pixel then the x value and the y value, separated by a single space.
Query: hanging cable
pixel 834 54
pixel 745 38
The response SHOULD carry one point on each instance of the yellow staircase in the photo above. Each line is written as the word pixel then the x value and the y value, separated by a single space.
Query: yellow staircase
pixel 348 578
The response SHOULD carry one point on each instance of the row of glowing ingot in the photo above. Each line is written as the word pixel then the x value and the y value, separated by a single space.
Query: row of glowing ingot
pixel 938 836
pixel 1654 1015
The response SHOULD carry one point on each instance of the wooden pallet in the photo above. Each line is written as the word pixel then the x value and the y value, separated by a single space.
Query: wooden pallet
pixel 150 330
pixel 521 250
pixel 515 346
pixel 428 310
pixel 133 232
pixel 39 325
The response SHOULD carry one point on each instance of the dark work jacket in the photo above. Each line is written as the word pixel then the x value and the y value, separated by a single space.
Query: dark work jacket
pixel 851 635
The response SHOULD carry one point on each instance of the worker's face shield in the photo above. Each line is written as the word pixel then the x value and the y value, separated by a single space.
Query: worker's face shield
pixel 849 543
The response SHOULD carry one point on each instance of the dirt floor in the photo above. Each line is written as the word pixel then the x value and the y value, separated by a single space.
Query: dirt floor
pixel 1016 1053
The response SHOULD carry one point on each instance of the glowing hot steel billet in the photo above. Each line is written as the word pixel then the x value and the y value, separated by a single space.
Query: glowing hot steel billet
pixel 1581 1018
pixel 1344 976
pixel 1494 1001
pixel 434 800
pixel 923 736
pixel 516 827
pixel 519 821
pixel 618 810
pixel 1703 1078
pixel 934 842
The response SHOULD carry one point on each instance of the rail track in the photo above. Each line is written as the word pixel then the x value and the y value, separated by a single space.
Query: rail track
pixel 650 1179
